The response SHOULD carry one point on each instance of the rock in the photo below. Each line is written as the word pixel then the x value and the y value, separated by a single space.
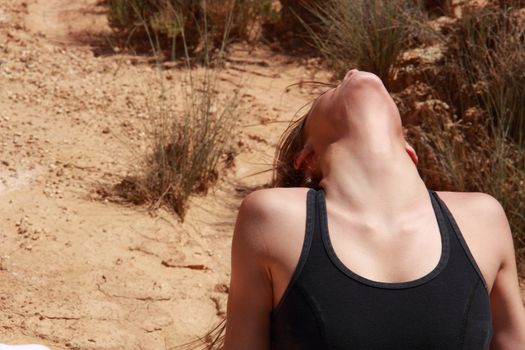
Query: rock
pixel 425 55
pixel 22 226
pixel 418 65
pixel 420 110
pixel 457 8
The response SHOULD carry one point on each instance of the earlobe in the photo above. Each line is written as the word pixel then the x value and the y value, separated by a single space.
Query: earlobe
pixel 302 157
pixel 411 152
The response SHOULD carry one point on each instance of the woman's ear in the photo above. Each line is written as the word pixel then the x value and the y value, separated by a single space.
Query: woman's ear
pixel 303 157
pixel 411 152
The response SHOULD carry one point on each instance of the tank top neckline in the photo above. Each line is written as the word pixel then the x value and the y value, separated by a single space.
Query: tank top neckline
pixel 444 257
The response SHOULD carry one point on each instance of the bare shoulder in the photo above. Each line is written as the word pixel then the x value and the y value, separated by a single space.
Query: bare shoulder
pixel 479 207
pixel 473 201
pixel 272 200
pixel 264 215
pixel 483 223
pixel 272 206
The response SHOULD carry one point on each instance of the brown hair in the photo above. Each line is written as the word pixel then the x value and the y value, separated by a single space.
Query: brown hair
pixel 290 144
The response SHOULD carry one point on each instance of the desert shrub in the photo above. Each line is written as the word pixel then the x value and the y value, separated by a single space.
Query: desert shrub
pixel 293 23
pixel 477 142
pixel 367 34
pixel 490 47
pixel 187 148
pixel 457 157
pixel 189 145
pixel 196 20
pixel 491 52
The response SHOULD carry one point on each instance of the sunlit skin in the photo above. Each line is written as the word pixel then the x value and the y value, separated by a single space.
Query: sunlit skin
pixel 377 204
pixel 357 126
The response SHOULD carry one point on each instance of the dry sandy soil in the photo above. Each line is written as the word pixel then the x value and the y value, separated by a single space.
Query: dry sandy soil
pixel 78 271
pixel 81 272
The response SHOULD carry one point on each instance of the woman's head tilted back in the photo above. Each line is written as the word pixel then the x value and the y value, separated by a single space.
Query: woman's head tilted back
pixel 358 116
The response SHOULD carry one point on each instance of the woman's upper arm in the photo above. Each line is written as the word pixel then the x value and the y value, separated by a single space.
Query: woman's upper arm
pixel 508 313
pixel 250 294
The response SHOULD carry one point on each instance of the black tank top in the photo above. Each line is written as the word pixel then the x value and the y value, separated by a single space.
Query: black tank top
pixel 327 306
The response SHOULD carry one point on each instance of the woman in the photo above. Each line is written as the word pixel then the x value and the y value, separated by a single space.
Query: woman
pixel 370 258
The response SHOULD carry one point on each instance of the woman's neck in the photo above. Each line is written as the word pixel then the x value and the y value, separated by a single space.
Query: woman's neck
pixel 381 180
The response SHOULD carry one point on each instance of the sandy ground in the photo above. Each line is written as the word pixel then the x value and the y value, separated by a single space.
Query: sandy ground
pixel 77 271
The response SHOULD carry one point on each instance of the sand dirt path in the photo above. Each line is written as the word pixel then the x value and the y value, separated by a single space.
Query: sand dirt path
pixel 63 22
pixel 79 272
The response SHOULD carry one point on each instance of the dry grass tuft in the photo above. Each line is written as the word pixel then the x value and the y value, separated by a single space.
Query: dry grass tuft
pixel 199 21
pixel 468 122
pixel 190 136
pixel 485 77
pixel 365 34
pixel 188 147
pixel 456 157
pixel 491 52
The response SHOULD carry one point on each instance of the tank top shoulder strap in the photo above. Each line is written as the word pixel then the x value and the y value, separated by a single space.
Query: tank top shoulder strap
pixel 310 224
pixel 457 233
